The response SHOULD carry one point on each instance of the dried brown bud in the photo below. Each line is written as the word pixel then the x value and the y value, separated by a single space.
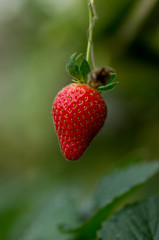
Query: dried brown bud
pixel 99 77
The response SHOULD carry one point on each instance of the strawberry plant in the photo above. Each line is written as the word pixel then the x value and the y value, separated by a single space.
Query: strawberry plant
pixel 61 206
pixel 79 110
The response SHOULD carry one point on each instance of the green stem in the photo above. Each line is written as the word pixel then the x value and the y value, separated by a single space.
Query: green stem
pixel 92 19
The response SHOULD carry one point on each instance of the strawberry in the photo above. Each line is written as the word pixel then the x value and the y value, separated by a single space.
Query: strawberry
pixel 79 111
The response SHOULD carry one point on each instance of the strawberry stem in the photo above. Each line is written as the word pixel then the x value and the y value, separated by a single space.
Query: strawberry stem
pixel 92 19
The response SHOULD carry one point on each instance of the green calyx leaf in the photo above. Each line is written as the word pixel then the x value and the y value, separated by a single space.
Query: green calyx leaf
pixel 84 69
pixel 78 68
pixel 111 78
pixel 108 86
pixel 72 67
pixel 102 79
pixel 79 59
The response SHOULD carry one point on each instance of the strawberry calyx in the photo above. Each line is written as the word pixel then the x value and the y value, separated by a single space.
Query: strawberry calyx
pixel 102 78
pixel 78 68
pixel 80 71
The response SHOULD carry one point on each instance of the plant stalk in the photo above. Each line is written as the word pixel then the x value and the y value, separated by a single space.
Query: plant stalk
pixel 92 19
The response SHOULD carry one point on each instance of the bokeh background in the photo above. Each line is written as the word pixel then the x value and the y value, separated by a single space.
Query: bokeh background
pixel 36 39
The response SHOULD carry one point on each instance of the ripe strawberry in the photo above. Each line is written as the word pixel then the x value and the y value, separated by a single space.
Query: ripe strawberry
pixel 79 112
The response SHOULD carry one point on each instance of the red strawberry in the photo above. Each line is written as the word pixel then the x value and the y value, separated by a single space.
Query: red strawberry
pixel 79 112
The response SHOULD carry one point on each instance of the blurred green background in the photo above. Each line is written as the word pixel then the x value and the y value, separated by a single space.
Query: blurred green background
pixel 36 39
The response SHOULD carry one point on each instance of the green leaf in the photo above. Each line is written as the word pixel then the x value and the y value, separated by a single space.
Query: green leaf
pixel 111 78
pixel 72 67
pixel 85 69
pixel 112 190
pixel 55 207
pixel 79 59
pixel 135 222
pixel 78 67
pixel 33 211
pixel 108 87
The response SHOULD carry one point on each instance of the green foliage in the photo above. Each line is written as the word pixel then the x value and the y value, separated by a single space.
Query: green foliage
pixel 84 69
pixel 78 68
pixel 34 212
pixel 39 212
pixel 57 207
pixel 134 222
pixel 73 68
pixel 111 77
pixel 107 87
pixel 112 190
pixel 122 180
pixel 79 59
